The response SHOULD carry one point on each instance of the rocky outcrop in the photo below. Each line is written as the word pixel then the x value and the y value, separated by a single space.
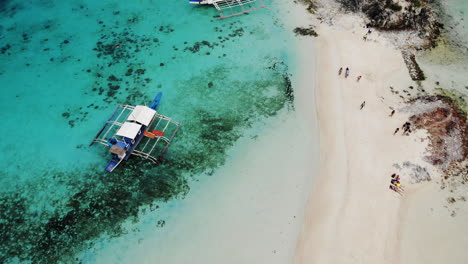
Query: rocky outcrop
pixel 310 31
pixel 447 128
pixel 414 15
pixel 413 67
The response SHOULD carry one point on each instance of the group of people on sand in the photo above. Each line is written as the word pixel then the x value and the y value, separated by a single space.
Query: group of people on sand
pixel 406 129
pixel 395 184
pixel 347 73
pixel 346 76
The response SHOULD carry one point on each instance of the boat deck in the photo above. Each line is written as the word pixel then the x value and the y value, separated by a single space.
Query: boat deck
pixel 230 8
pixel 155 140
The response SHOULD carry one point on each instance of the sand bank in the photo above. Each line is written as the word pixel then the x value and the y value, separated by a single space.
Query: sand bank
pixel 352 215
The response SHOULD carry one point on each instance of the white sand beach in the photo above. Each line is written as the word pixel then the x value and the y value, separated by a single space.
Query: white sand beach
pixel 353 216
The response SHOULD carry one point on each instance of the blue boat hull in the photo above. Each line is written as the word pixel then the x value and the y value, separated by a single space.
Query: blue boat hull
pixel 115 161
pixel 156 101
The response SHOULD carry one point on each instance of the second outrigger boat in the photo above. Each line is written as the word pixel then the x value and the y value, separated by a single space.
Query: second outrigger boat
pixel 137 130
pixel 230 8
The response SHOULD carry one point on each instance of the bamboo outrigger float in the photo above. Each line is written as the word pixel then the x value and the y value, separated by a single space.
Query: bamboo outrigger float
pixel 137 130
pixel 230 8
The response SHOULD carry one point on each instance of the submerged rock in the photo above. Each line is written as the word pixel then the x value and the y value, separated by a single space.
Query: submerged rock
pixel 305 31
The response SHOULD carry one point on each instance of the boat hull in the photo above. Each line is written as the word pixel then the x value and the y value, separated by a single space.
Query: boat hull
pixel 197 2
pixel 113 163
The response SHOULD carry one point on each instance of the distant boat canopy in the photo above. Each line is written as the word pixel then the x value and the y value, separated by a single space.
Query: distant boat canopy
pixel 230 8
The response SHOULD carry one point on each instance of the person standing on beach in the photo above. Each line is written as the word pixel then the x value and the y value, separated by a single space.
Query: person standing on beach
pixel 406 128
pixel 340 70
pixel 393 112
pixel 396 130
pixel 362 105
pixel 346 72
pixel 406 124
pixel 359 78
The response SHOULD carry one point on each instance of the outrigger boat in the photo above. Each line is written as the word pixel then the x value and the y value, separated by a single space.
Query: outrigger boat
pixel 137 130
pixel 231 7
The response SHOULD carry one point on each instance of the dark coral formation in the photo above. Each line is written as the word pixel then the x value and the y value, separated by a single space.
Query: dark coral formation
pixel 310 31
pixel 447 128
pixel 119 47
pixel 98 205
pixel 76 115
pixel 123 44
pixel 5 48
pixel 197 46
pixel 9 8
pixel 288 89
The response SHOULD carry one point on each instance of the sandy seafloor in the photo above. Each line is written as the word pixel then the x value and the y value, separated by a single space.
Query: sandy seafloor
pixel 234 183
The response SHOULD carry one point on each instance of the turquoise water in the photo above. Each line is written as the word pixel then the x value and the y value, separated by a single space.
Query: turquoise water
pixel 62 75
pixel 455 20
pixel 460 10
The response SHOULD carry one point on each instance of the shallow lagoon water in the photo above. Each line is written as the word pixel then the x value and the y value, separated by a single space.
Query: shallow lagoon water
pixel 457 12
pixel 64 68
pixel 446 65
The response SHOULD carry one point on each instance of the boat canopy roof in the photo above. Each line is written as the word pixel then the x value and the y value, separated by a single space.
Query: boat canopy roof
pixel 129 130
pixel 142 114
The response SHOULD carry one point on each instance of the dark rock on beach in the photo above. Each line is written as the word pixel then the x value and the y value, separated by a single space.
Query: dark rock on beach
pixel 416 15
pixel 305 31
pixel 413 67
